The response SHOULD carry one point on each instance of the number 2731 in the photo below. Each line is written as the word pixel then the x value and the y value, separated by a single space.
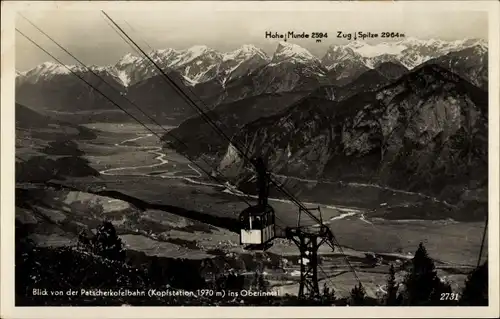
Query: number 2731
pixel 449 296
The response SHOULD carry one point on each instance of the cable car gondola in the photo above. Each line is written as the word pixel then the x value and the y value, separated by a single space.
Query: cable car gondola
pixel 258 227
pixel 258 222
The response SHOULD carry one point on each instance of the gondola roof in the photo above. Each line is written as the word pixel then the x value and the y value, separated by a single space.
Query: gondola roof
pixel 256 210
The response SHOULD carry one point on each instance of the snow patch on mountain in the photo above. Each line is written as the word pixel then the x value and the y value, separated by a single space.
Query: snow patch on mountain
pixel 200 76
pixel 191 54
pixel 189 82
pixel 370 51
pixel 129 58
pixel 123 77
pixel 50 68
pixel 46 71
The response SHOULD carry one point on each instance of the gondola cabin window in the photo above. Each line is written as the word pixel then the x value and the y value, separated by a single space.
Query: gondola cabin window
pixel 257 225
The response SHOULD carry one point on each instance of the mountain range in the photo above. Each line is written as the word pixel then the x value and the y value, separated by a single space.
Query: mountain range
pixel 225 77
pixel 200 63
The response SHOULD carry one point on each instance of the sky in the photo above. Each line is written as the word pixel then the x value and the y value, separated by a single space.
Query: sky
pixel 87 35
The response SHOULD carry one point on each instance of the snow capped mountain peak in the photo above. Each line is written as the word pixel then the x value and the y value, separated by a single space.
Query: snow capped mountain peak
pixel 198 49
pixel 165 51
pixel 355 44
pixel 410 40
pixel 128 58
pixel 369 50
pixel 165 57
pixel 163 54
pixel 97 68
pixel 195 52
pixel 45 71
pixel 249 48
pixel 433 41
pixel 48 64
pixel 287 50
pixel 50 68
pixel 244 52
pixel 413 41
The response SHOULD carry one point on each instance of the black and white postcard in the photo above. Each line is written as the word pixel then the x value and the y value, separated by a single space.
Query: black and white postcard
pixel 278 157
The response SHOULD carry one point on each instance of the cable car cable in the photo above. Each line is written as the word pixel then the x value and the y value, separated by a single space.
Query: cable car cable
pixel 482 242
pixel 327 278
pixel 119 34
pixel 135 31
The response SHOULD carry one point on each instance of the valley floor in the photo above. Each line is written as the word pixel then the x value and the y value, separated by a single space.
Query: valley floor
pixel 133 163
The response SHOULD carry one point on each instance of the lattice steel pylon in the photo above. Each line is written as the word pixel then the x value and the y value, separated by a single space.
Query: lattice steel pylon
pixel 308 239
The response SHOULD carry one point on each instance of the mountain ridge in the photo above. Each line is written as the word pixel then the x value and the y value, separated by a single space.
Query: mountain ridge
pixel 207 62
pixel 217 78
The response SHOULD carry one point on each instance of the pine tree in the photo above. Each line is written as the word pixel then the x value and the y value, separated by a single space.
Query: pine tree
pixel 255 281
pixel 107 243
pixel 262 283
pixel 422 280
pixel 328 295
pixel 156 274
pixel 475 292
pixel 84 241
pixel 259 282
pixel 392 288
pixel 358 295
